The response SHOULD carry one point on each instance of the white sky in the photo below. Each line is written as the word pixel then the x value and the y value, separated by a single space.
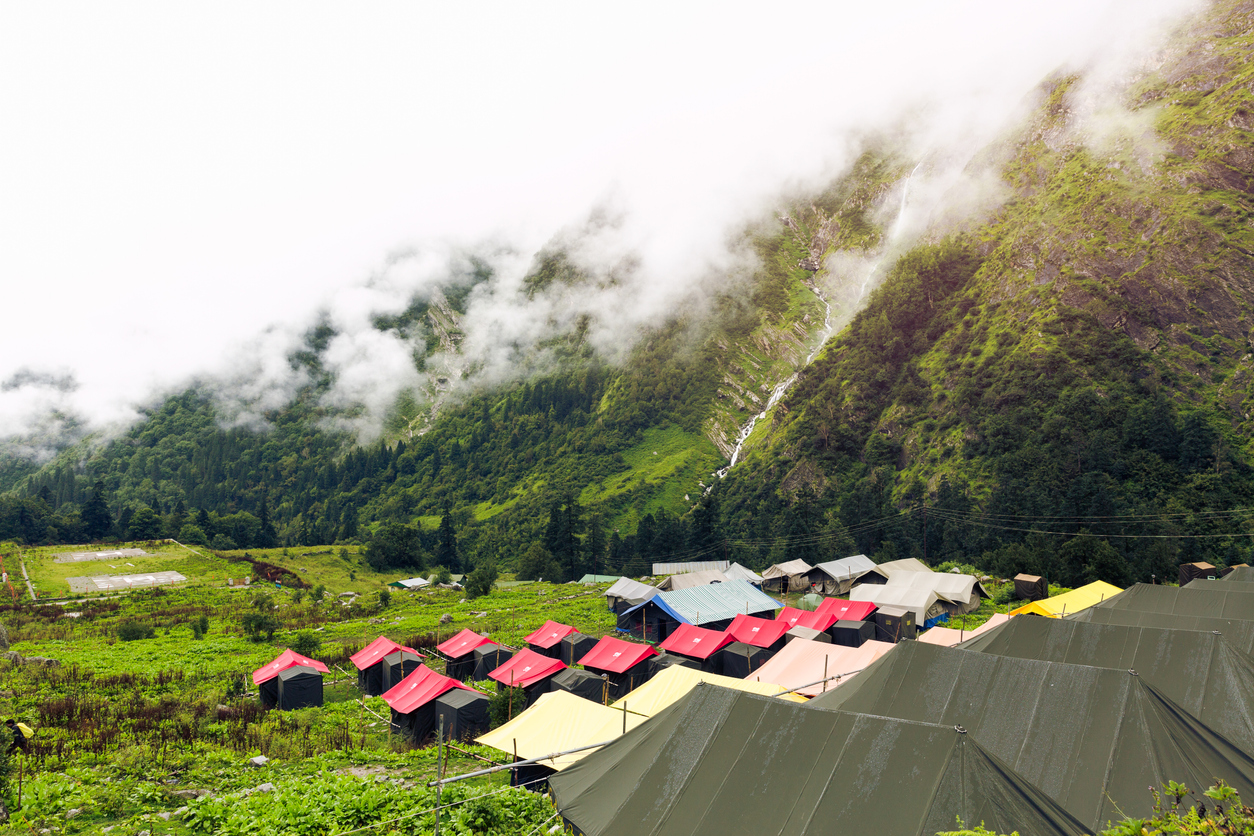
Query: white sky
pixel 175 177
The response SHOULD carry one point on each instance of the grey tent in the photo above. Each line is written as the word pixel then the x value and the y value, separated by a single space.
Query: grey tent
pixel 793 576
pixel 574 647
pixel 1206 675
pixel 807 633
pixel 690 579
pixel 581 683
pixel 665 660
pixel 1093 739
pixel 1216 600
pixel 852 633
pixel 268 692
pixel 1031 587
pixel 836 577
pixel 740 660
pixel 1222 584
pixel 1240 572
pixel 465 714
pixel 625 593
pixel 1193 571
pixel 892 624
pixel 299 686
pixel 719 762
pixel 396 666
pixel 1239 634
pixel 488 658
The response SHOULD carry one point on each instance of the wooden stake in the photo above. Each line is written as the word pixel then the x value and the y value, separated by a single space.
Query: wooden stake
pixel 439 772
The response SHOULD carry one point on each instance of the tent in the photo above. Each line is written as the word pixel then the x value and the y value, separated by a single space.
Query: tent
pixel 580 683
pixel 265 676
pixel 736 572
pixel 465 714
pixel 740 660
pixel 1240 572
pixel 1200 671
pixel 369 664
pixel 1193 571
pixel 1031 587
pixel 853 633
pixel 1239 634
pixel 1071 602
pixel 923 603
pixel 299 686
pixel 673 684
pixel 882 572
pixel 397 665
pixel 1092 739
pixel 528 670
pixel 810 601
pixel 836 577
pixel 807 633
pixel 489 657
pixel 1222 584
pixel 624 663
pixel 812 619
pixel 759 632
pixel 690 566
pixel 547 639
pixel 626 593
pixel 726 762
pixel 410 583
pixel 590 579
pixel 793 576
pixel 691 579
pixel 665 660
pixel 957 594
pixel 698 644
pixel 893 624
pixel 458 652
pixel 847 610
pixel 1212 601
pixel 952 636
pixel 413 702
pixel 574 647
pixel 802 665
pixel 713 606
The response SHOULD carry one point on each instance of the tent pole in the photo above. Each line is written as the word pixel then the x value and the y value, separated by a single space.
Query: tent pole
pixel 439 772
pixel 825 673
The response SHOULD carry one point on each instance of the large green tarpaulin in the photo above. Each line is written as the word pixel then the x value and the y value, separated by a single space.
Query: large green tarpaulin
pixel 1238 633
pixel 1215 600
pixel 726 763
pixel 1093 739
pixel 1201 671
pixel 1225 584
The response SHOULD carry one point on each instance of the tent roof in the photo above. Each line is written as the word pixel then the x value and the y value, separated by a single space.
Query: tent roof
pixel 695 642
pixel 906 564
pixel 672 684
pixel 713 602
pixel 298 670
pixel 1070 602
pixel 550 634
pixel 846 610
pixel 813 619
pixel 1091 738
pixel 590 578
pixel 721 761
pixel 759 632
pixel 462 643
pixel 525 668
pixel 411 583
pixel 615 655
pixel 633 591
pixel 1239 633
pixel 375 651
pixel 847 568
pixel 736 572
pixel 1028 578
pixel 690 566
pixel 1215 600
pixel 1241 572
pixel 792 567
pixel 802 663
pixel 691 579
pixel 419 688
pixel 918 600
pixel 951 636
pixel 954 588
pixel 283 661
pixel 1202 671
pixel 558 721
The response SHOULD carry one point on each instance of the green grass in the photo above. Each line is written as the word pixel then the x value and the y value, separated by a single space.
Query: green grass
pixel 667 463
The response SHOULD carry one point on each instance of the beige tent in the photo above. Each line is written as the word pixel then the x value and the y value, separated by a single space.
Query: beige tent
pixel 794 574
pixel 957 594
pixel 923 602
pixel 672 684
pixel 691 579
pixel 836 577
pixel 558 721
pixel 802 663
pixel 952 636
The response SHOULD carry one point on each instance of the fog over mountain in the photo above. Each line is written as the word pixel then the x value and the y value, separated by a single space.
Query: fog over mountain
pixel 186 192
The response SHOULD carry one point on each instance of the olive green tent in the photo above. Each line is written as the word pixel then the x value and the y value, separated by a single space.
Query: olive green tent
pixel 1201 671
pixel 1093 739
pixel 1238 633
pixel 1221 583
pixel 722 762
pixel 1217 599
pixel 1240 572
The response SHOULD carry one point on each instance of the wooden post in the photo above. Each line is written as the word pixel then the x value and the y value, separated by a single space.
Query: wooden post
pixel 511 695
pixel 624 718
pixel 825 673
pixel 439 772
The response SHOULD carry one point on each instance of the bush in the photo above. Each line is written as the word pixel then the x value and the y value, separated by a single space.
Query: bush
pixel 385 598
pixel 259 626
pixel 481 580
pixel 129 631
pixel 222 543
pixel 440 574
pixel 193 535
pixel 319 592
pixel 306 643
pixel 500 707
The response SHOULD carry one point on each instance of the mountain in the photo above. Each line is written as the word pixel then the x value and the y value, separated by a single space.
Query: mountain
pixel 1061 384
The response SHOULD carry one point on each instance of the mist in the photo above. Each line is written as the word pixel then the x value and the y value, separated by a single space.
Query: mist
pixel 185 197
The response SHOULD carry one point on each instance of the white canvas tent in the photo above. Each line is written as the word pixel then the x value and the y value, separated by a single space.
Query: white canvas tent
pixel 836 577
pixel 736 572
pixel 625 593
pixel 923 602
pixel 794 575
pixel 691 579
pixel 958 594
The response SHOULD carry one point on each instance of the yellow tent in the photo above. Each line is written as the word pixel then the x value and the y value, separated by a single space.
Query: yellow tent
pixel 558 721
pixel 1070 602
pixel 673 683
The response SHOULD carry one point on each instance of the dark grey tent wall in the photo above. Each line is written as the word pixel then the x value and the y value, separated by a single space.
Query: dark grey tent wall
pixel 299 687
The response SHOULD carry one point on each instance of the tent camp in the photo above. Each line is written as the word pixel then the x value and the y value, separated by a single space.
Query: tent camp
pixel 547 639
pixel 691 579
pixel 369 664
pixel 299 686
pixel 726 762
pixel 1212 601
pixel 766 633
pixel 713 606
pixel 574 647
pixel 922 602
pixel 1238 633
pixel 1069 603
pixel 699 644
pixel 581 683
pixel 1193 571
pixel 266 676
pixel 413 702
pixel 957 594
pixel 625 593
pixel 625 664
pixel 458 653
pixel 803 665
pixel 489 657
pixel 847 610
pixel 793 576
pixel 464 712
pixel 528 670
pixel 1093 739
pixel 736 572
pixel 836 577
pixel 1031 587
pixel 673 684
pixel 397 665
pixel 1200 671
pixel 952 636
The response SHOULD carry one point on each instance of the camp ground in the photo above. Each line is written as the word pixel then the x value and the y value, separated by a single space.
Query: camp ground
pixel 1091 738
pixel 723 761
pixel 1070 603
pixel 811 668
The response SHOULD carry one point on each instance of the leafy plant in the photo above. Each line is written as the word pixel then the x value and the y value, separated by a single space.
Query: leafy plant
pixel 306 643
pixel 130 631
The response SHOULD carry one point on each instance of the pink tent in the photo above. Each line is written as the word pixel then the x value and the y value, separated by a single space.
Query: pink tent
pixel 286 659
pixel 802 663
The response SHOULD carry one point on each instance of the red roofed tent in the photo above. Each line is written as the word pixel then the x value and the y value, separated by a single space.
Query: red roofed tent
pixel 530 671
pixel 547 641
pixel 758 632
pixel 459 651
pixel 412 701
pixel 266 676
pixel 790 614
pixel 699 644
pixel 625 664
pixel 369 663
pixel 817 621
pixel 847 610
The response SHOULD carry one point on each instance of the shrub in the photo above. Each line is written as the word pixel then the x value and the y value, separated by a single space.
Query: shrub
pixel 129 631
pixel 500 707
pixel 306 643
pixel 440 574
pixel 319 592
pixel 385 598
pixel 222 543
pixel 259 626
pixel 481 580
